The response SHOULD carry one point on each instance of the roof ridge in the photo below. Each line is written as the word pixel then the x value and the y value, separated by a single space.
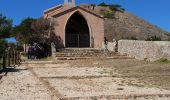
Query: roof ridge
pixel 53 8
pixel 73 8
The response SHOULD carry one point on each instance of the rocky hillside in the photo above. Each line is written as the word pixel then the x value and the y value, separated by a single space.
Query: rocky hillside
pixel 125 25
pixel 128 26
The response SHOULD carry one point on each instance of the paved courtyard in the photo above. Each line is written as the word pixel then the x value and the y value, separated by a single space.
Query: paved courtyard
pixel 91 79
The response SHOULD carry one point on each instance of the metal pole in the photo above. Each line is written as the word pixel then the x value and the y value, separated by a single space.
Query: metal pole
pixel 78 40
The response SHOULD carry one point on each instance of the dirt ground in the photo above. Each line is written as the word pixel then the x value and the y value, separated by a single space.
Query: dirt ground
pixel 88 79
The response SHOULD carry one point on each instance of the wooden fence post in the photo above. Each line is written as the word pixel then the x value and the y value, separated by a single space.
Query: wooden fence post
pixel 9 57
pixel 12 54
pixel 14 57
pixel 4 60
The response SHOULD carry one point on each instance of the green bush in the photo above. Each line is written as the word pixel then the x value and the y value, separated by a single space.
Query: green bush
pixel 162 61
pixel 108 14
pixel 103 4
pixel 112 7
pixel 116 7
pixel 168 38
pixel 2 46
pixel 1 66
pixel 153 38
pixel 131 38
pixel 24 54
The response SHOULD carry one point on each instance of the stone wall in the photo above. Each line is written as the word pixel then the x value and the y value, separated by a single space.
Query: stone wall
pixel 145 50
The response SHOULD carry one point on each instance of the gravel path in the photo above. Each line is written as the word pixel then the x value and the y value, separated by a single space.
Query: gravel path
pixel 21 84
pixel 79 80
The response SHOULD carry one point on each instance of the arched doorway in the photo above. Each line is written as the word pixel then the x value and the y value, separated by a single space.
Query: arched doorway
pixel 77 32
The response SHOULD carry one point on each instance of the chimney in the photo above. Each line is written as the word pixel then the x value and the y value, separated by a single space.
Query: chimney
pixel 70 3
pixel 66 3
pixel 73 3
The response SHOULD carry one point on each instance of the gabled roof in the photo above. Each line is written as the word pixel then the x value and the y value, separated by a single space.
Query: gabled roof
pixel 60 10
pixel 52 9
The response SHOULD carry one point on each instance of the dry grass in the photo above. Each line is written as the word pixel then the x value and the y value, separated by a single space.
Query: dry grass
pixel 148 74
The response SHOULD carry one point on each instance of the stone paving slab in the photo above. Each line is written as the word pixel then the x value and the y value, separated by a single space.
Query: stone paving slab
pixel 95 83
pixel 72 72
pixel 45 65
pixel 106 86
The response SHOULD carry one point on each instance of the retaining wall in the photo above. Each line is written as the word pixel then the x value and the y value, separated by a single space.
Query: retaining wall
pixel 145 50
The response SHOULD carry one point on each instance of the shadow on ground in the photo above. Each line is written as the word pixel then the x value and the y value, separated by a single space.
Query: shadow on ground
pixel 4 72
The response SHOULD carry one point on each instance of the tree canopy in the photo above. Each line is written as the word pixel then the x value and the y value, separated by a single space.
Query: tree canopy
pixel 23 32
pixel 2 46
pixel 33 30
pixel 103 4
pixel 5 31
pixel 5 26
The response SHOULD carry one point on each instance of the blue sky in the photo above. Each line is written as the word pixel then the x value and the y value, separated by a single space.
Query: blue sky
pixel 154 11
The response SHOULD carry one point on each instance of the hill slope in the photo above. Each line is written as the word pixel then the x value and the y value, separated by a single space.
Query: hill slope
pixel 128 26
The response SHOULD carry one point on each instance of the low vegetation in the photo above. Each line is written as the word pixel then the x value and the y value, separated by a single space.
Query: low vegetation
pixel 2 49
pixel 153 38
pixel 113 8
pixel 108 14
pixel 132 38
pixel 168 34
pixel 163 61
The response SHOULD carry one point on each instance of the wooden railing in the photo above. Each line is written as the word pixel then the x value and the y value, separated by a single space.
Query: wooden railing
pixel 10 58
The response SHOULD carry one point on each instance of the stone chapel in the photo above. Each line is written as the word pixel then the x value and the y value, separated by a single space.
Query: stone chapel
pixel 76 26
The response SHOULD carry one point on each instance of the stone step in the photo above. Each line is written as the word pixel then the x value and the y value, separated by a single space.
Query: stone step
pixel 84 56
pixel 80 50
pixel 76 58
pixel 87 53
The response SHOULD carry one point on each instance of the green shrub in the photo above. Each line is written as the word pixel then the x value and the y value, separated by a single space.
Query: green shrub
pixel 131 38
pixel 116 7
pixel 108 14
pixel 103 4
pixel 162 61
pixel 1 66
pixel 168 38
pixel 24 54
pixel 153 38
pixel 2 46
pixel 112 7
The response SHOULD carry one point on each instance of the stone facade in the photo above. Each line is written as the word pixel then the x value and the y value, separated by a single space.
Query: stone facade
pixel 61 14
pixel 145 50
